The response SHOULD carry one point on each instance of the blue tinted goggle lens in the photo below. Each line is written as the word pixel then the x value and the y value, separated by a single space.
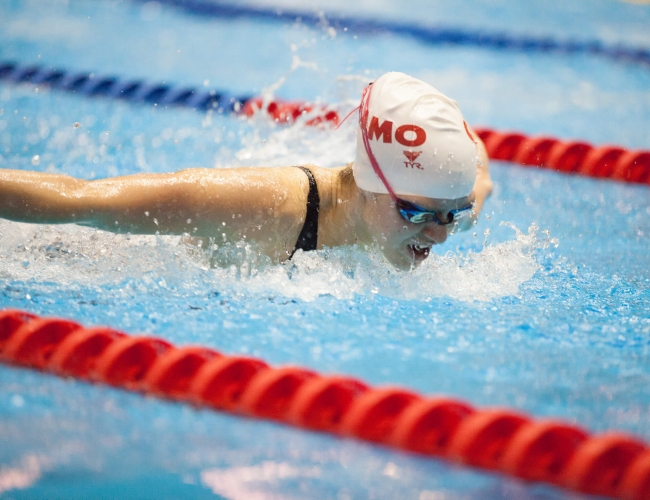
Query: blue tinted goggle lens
pixel 418 215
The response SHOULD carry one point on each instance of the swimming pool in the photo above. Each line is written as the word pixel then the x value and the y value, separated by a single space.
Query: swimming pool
pixel 551 317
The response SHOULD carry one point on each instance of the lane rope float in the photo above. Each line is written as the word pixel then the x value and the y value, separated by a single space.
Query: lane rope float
pixel 112 87
pixel 612 464
pixel 579 157
pixel 428 35
pixel 612 162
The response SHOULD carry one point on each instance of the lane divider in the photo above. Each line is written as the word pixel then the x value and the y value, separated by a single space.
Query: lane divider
pixel 578 157
pixel 611 464
pixel 112 87
pixel 429 35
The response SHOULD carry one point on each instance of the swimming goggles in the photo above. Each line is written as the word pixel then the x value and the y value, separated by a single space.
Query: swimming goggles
pixel 409 211
pixel 418 215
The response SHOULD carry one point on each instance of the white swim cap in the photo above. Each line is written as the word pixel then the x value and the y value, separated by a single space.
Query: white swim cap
pixel 418 138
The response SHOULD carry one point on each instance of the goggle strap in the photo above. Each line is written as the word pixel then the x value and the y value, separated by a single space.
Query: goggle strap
pixel 468 134
pixel 363 123
pixel 346 117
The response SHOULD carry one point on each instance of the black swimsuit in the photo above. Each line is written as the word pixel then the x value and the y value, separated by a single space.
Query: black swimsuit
pixel 308 238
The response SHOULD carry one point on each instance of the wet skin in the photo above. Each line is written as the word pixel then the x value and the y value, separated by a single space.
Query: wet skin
pixel 406 245
pixel 264 206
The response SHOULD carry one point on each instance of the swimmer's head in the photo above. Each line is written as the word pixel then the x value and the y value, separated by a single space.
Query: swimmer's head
pixel 417 138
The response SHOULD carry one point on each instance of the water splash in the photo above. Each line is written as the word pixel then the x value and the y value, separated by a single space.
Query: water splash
pixel 73 256
pixel 494 272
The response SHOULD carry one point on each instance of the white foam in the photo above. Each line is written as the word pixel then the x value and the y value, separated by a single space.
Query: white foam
pixel 21 477
pixel 73 256
pixel 254 482
pixel 497 271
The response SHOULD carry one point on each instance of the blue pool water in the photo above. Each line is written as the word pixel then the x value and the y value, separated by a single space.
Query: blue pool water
pixel 545 308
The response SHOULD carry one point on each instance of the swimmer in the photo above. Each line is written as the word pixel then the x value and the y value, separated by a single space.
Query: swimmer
pixel 419 174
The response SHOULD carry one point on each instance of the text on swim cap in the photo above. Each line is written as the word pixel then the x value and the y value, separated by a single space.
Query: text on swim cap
pixel 411 156
pixel 385 132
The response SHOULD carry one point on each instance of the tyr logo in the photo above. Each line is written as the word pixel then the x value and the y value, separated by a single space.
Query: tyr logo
pixel 385 131
pixel 411 156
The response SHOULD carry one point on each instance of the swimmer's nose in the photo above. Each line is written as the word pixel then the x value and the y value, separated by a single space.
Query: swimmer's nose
pixel 435 232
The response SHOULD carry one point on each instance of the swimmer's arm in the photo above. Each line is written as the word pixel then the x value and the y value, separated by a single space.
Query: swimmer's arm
pixel 199 202
pixel 38 197
pixel 483 183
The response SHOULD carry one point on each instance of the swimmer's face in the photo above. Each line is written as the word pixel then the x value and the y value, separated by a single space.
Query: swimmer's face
pixel 404 244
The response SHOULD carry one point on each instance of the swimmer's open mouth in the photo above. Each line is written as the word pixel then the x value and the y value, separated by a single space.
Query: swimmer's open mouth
pixel 419 252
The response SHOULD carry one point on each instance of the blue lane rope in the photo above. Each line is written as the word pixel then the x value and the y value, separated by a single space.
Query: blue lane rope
pixel 429 35
pixel 113 87
pixel 608 161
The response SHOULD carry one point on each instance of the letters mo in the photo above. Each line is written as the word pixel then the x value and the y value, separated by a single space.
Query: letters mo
pixel 385 131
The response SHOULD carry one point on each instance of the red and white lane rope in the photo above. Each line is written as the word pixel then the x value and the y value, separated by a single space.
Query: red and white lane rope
pixel 578 157
pixel 612 464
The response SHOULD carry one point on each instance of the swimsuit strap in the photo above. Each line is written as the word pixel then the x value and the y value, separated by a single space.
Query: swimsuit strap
pixel 308 238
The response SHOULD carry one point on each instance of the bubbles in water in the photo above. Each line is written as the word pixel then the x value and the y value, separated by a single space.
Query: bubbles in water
pixel 72 256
